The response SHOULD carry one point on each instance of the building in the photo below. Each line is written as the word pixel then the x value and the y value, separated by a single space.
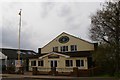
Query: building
pixel 10 57
pixel 3 61
pixel 63 53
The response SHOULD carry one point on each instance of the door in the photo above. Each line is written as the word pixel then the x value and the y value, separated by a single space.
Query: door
pixel 53 63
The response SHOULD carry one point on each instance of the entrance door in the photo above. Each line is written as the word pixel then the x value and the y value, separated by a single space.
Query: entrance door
pixel 53 63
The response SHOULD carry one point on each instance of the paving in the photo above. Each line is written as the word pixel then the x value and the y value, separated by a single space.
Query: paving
pixel 49 77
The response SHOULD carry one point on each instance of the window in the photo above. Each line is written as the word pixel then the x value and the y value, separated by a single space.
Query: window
pixel 40 63
pixel 69 63
pixel 55 49
pixel 63 39
pixel 53 63
pixel 73 47
pixel 33 63
pixel 79 63
pixel 64 48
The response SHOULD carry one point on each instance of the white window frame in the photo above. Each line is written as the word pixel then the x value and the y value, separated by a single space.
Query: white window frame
pixel 55 49
pixel 64 47
pixel 40 63
pixel 69 62
pixel 73 48
pixel 80 63
pixel 34 63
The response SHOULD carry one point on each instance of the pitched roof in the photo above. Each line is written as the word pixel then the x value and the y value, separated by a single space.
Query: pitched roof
pixel 54 53
pixel 69 35
pixel 13 53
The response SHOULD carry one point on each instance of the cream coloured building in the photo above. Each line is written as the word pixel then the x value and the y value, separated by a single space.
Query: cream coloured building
pixel 63 53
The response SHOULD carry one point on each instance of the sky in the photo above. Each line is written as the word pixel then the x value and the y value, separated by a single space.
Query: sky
pixel 43 21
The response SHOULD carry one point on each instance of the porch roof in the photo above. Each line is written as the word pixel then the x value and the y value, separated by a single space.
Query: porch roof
pixel 78 54
pixel 70 54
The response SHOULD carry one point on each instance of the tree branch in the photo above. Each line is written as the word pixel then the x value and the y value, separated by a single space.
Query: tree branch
pixel 106 40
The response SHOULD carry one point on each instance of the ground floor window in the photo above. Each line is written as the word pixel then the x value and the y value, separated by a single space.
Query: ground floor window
pixel 53 63
pixel 33 63
pixel 79 63
pixel 40 63
pixel 69 63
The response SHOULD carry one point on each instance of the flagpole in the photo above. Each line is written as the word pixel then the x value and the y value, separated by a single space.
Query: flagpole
pixel 19 38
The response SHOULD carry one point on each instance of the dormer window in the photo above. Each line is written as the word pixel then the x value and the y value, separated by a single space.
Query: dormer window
pixel 73 47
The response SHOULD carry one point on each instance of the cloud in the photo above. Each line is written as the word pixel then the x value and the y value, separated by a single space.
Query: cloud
pixel 46 8
pixel 43 21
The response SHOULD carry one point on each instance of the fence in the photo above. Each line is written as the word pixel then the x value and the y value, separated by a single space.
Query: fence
pixel 67 71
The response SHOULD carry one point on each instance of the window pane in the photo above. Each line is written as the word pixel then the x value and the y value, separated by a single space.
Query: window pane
pixel 66 48
pixel 82 63
pixel 77 63
pixel 72 48
pixel 75 47
pixel 51 63
pixel 55 49
pixel 33 63
pixel 71 63
pixel 67 63
pixel 61 49
pixel 40 63
pixel 55 63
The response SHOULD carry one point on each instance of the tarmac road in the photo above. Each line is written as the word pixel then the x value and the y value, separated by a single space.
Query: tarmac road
pixel 49 77
pixel 82 78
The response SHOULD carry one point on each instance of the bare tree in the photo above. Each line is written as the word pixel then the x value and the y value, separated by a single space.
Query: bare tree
pixel 105 27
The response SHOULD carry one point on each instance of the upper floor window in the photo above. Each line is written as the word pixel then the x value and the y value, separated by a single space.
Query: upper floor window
pixel 79 63
pixel 55 49
pixel 69 63
pixel 33 63
pixel 64 48
pixel 73 47
pixel 40 63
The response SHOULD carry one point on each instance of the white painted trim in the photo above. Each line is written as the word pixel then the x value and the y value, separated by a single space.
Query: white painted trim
pixel 54 53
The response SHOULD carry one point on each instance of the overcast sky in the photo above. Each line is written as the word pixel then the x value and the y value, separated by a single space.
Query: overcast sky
pixel 43 21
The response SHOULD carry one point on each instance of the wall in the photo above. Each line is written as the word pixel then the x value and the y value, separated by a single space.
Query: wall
pixel 81 44
pixel 61 67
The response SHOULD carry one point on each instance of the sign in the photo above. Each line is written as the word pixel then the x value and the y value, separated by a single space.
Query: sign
pixel 53 56
pixel 18 63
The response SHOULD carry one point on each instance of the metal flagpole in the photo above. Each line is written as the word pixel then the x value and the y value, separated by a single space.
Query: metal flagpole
pixel 19 64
